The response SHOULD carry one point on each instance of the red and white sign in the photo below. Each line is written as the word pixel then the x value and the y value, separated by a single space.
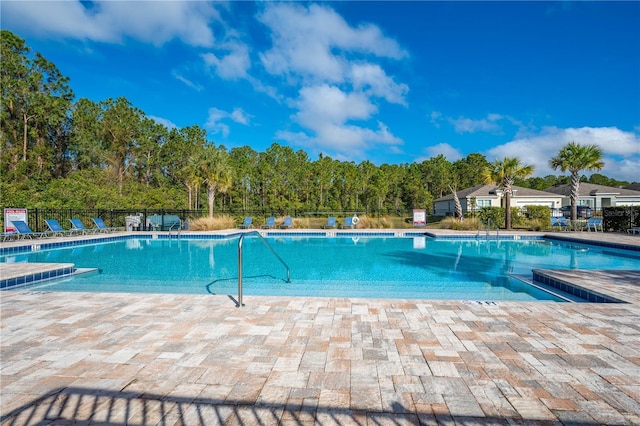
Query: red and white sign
pixel 13 214
pixel 419 217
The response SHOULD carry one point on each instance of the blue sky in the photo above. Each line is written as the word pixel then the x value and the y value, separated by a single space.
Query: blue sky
pixel 388 82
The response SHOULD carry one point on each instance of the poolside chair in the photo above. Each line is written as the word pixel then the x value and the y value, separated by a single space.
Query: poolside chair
pixel 101 226
pixel 348 223
pixel 559 222
pixel 56 229
pixel 634 230
pixel 595 223
pixel 247 223
pixel 331 222
pixel 287 224
pixel 10 236
pixel 270 224
pixel 79 227
pixel 25 232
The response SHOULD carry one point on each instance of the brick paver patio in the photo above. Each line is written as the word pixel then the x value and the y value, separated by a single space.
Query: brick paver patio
pixel 140 359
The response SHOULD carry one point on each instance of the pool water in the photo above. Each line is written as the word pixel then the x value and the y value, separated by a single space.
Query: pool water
pixel 371 267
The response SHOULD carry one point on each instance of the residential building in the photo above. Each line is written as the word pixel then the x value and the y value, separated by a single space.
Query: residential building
pixel 598 196
pixel 473 199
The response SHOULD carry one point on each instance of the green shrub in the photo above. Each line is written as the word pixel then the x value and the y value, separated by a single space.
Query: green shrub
pixel 538 212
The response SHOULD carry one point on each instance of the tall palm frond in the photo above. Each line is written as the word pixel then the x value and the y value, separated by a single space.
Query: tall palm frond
pixel 503 173
pixel 574 158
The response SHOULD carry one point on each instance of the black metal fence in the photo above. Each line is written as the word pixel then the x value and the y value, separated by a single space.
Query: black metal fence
pixel 120 218
pixel 112 218
pixel 619 219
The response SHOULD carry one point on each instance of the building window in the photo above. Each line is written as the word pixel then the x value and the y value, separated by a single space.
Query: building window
pixel 482 203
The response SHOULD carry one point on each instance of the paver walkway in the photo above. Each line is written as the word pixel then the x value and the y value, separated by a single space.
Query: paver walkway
pixel 82 358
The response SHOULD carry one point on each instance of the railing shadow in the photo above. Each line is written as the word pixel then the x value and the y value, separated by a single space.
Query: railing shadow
pixel 212 285
pixel 75 405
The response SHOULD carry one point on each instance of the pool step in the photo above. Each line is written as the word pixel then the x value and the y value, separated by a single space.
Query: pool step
pixel 16 274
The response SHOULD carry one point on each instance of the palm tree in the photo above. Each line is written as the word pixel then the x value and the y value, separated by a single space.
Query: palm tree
pixel 216 172
pixel 503 173
pixel 574 157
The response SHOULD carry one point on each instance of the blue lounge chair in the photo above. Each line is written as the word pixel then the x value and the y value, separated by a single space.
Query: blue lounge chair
pixel 331 222
pixel 79 227
pixel 25 232
pixel 247 223
pixel 594 223
pixel 559 222
pixel 101 226
pixel 270 224
pixel 56 229
pixel 10 235
pixel 287 224
pixel 348 223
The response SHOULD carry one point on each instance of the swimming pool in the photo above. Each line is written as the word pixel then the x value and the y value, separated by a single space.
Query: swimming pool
pixel 371 267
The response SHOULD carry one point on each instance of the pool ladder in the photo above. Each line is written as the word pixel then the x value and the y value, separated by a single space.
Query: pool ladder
pixel 487 227
pixel 178 229
pixel 266 243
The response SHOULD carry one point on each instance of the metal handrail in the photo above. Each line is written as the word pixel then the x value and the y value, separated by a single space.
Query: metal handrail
pixel 266 243
pixel 487 227
pixel 490 221
pixel 179 228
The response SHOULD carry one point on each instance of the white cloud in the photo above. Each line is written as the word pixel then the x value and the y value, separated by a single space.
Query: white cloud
pixel 197 87
pixel 305 42
pixel 111 21
pixel 468 125
pixel 374 81
pixel 448 151
pixel 214 122
pixel 217 117
pixel 344 142
pixel 327 111
pixel 435 117
pixel 234 64
pixel 621 150
pixel 610 139
pixel 166 123
pixel 239 116
pixel 324 103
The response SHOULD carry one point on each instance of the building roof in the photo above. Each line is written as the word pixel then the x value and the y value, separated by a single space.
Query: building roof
pixel 634 187
pixel 490 191
pixel 591 189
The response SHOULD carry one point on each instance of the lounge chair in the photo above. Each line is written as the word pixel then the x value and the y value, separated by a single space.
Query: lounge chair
pixel 56 229
pixel 287 224
pixel 247 223
pixel 101 226
pixel 559 222
pixel 331 222
pixel 595 223
pixel 10 235
pixel 79 227
pixel 634 230
pixel 25 232
pixel 348 223
pixel 270 224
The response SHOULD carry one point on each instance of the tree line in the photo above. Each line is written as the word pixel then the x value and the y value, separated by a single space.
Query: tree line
pixel 61 152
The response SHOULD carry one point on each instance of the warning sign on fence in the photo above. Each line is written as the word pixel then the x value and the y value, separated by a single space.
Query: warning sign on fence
pixel 419 217
pixel 13 214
